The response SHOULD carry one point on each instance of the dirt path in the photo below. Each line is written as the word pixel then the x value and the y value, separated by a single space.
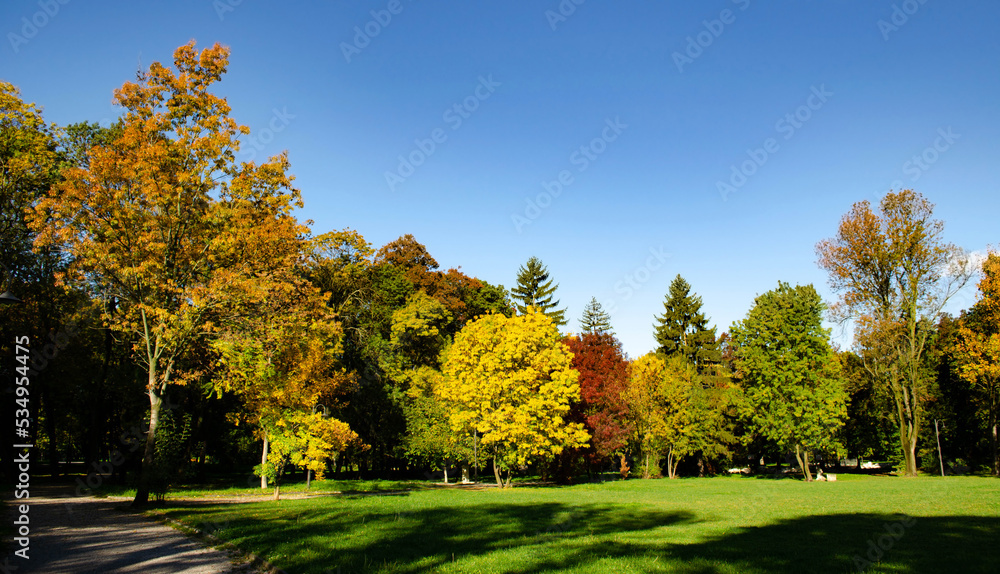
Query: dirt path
pixel 77 535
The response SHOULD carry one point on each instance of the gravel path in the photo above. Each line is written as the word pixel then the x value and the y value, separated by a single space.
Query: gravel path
pixel 78 535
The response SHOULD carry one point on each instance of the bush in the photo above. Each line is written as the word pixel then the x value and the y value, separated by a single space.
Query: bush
pixel 169 463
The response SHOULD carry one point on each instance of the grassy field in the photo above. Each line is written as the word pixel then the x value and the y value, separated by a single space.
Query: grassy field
pixel 717 525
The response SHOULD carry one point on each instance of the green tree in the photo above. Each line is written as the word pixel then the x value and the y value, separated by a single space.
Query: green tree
pixel 535 289
pixel 683 328
pixel 894 274
pixel 511 381
pixel 793 392
pixel 595 319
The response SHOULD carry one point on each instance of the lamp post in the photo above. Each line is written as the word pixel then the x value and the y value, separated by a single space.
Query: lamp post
pixel 7 297
pixel 309 470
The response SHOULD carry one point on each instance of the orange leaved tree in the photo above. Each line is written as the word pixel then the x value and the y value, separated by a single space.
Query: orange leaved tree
pixel 895 273
pixel 166 226
pixel 978 353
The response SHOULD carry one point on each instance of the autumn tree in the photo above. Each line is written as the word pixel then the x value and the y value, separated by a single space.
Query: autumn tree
pixel 281 357
pixel 511 381
pixel 29 162
pixel 595 319
pixel 165 222
pixel 657 395
pixel 452 287
pixel 894 274
pixel 978 352
pixel 793 392
pixel 682 329
pixel 603 368
pixel 535 289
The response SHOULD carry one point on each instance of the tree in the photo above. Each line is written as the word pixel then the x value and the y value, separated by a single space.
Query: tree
pixel 28 167
pixel 488 299
pixel 535 289
pixel 978 353
pixel 451 288
pixel 683 328
pixel 163 221
pixel 305 440
pixel 595 319
pixel 281 359
pixel 793 393
pixel 657 397
pixel 429 434
pixel 510 380
pixel 894 274
pixel 603 368
pixel 418 330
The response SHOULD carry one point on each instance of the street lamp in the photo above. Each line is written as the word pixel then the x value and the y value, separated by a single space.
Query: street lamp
pixel 8 297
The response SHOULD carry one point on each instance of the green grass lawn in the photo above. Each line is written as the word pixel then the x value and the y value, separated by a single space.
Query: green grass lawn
pixel 718 525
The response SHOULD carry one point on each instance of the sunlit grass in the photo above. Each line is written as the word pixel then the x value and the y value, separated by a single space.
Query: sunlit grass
pixel 688 525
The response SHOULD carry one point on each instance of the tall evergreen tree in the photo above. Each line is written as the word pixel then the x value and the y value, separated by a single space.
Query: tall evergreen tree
pixel 683 328
pixel 534 289
pixel 595 319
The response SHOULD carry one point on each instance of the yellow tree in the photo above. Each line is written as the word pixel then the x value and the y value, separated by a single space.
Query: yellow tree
pixel 166 226
pixel 658 397
pixel 280 356
pixel 894 273
pixel 979 350
pixel 511 380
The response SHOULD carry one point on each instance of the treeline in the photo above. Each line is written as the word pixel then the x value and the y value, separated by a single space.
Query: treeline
pixel 182 321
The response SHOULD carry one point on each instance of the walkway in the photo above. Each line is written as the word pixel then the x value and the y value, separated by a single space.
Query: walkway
pixel 78 535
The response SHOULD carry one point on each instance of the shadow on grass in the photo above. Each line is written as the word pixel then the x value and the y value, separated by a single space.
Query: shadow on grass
pixel 551 537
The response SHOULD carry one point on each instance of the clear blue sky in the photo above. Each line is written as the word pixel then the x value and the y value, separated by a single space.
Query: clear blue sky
pixel 534 87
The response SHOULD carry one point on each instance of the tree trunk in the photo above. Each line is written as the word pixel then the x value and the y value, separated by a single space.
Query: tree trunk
pixel 446 473
pixel 996 451
pixel 496 473
pixel 263 461
pixel 802 456
pixel 277 490
pixel 155 400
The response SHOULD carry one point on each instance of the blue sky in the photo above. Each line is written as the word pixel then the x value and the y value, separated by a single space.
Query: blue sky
pixel 642 108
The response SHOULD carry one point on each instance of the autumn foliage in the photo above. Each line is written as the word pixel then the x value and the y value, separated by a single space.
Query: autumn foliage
pixel 603 377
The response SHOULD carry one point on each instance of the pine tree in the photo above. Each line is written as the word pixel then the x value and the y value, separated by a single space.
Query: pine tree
pixel 595 319
pixel 683 328
pixel 535 289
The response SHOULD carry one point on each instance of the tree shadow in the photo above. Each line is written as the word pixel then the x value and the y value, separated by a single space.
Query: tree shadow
pixel 551 537
pixel 853 543
pixel 423 540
